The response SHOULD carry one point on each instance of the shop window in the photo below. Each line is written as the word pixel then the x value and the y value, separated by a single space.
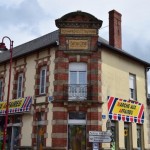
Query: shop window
pixel 42 80
pixel 19 85
pixel 14 119
pixel 114 137
pixel 1 89
pixel 13 131
pixel 127 136
pixel 132 86
pixel 77 81
pixel 139 137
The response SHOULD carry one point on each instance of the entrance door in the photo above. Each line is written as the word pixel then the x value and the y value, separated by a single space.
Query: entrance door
pixel 77 131
pixel 77 137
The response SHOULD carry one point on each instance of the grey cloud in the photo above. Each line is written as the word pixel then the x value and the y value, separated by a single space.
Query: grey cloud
pixel 26 16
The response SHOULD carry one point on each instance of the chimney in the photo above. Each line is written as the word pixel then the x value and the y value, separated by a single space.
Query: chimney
pixel 115 36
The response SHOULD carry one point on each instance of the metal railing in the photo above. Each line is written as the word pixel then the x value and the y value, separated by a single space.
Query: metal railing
pixel 76 91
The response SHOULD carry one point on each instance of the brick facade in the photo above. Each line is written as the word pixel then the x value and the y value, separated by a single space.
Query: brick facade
pixel 64 56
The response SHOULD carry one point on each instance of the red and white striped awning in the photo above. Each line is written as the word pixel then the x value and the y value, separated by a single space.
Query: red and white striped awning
pixel 16 105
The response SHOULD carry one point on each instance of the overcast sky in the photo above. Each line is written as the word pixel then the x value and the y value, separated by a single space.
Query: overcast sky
pixel 25 20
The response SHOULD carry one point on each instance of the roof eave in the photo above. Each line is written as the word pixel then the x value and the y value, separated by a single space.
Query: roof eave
pixel 122 52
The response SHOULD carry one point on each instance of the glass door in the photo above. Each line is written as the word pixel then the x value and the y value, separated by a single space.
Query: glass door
pixel 77 137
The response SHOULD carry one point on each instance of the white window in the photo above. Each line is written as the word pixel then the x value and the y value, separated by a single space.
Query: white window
pixel 20 85
pixel 43 80
pixel 132 86
pixel 77 81
pixel 1 89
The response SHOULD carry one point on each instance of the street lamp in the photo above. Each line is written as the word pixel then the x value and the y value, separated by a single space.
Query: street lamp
pixel 3 48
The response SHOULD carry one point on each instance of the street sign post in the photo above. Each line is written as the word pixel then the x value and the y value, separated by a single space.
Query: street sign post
pixel 100 136
pixel 102 133
pixel 95 146
pixel 100 139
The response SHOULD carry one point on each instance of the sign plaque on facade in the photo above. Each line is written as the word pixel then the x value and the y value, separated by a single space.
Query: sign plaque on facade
pixel 78 44
pixel 100 136
pixel 125 110
pixel 79 31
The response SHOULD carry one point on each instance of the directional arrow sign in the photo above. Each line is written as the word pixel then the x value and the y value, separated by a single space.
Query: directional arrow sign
pixel 100 139
pixel 102 133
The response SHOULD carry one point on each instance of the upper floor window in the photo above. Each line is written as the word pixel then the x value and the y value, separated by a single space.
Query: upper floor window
pixel 77 81
pixel 77 73
pixel 20 85
pixel 1 89
pixel 43 80
pixel 132 86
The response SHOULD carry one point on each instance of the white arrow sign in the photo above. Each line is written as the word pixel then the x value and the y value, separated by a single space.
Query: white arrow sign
pixel 104 133
pixel 100 139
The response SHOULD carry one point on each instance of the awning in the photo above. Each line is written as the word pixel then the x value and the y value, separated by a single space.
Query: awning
pixel 125 110
pixel 17 105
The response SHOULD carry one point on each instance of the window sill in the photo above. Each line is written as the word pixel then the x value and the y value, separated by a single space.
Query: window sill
pixel 40 95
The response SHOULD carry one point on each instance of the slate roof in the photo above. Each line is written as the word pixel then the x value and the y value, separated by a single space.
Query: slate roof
pixel 50 39
pixel 31 46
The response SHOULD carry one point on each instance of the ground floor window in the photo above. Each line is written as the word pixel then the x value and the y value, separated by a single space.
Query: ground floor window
pixel 77 131
pixel 139 137
pixel 127 136
pixel 114 126
pixel 13 131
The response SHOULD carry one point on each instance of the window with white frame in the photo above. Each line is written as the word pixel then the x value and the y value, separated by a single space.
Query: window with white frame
pixel 1 89
pixel 20 85
pixel 77 80
pixel 43 80
pixel 132 86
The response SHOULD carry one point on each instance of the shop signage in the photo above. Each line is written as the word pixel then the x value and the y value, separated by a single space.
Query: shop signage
pixel 100 139
pixel 17 105
pixel 125 132
pixel 100 136
pixel 78 44
pixel 102 133
pixel 125 110
pixel 78 31
pixel 95 146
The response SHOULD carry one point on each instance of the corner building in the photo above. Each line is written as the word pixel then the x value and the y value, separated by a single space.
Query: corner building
pixel 72 81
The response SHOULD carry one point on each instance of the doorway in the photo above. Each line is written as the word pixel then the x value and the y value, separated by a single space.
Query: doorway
pixel 77 131
pixel 77 137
